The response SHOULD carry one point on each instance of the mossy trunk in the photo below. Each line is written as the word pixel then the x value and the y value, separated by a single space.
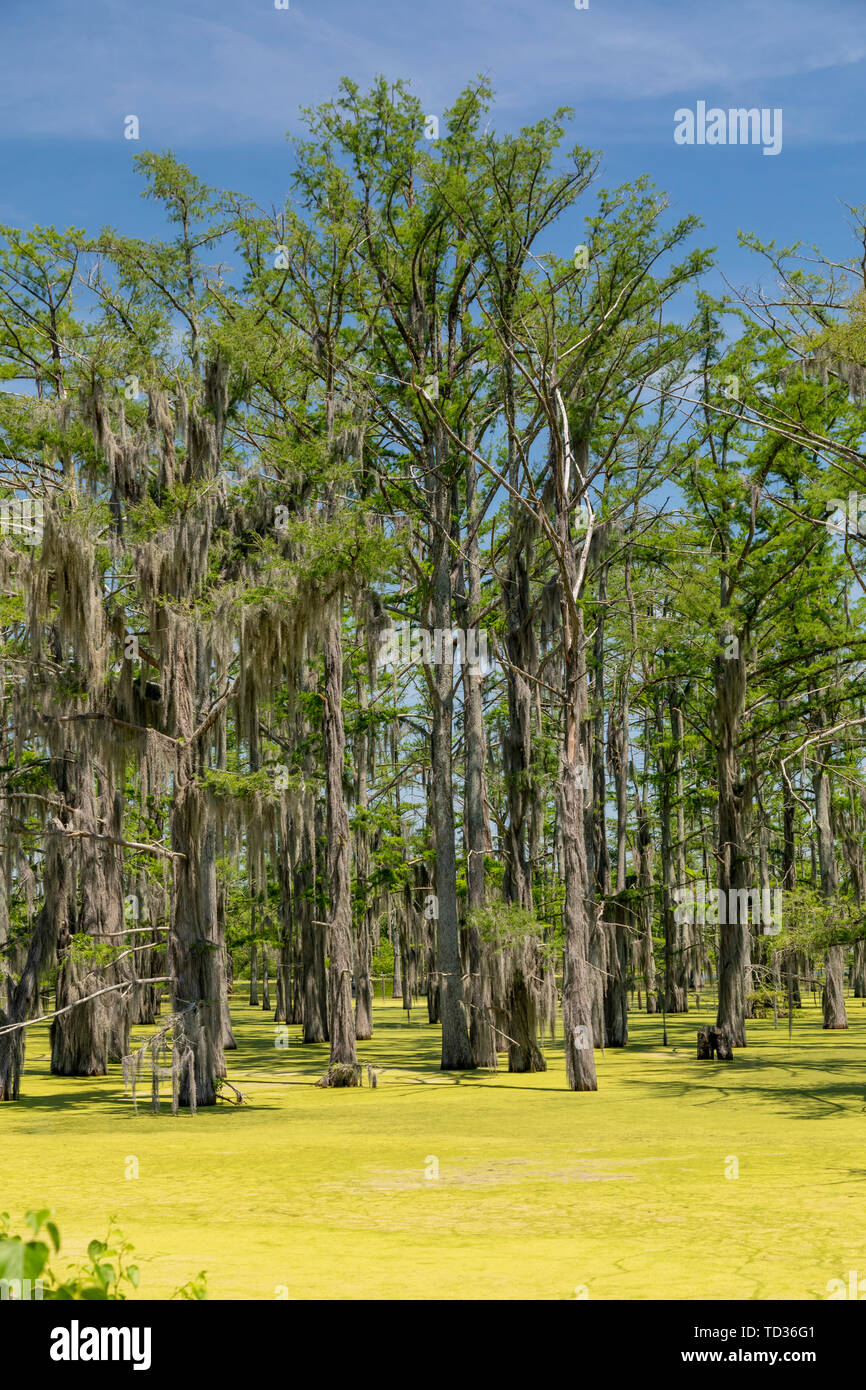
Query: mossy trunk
pixel 619 922
pixel 524 1053
pixel 396 976
pixel 283 1009
pixel 196 951
pixel 254 965
pixel 50 922
pixel 85 1039
pixel 643 949
pixel 734 938
pixel 266 980
pixel 297 998
pixel 341 1022
pixel 476 829
pixel 433 997
pixel 314 1005
pixel 833 996
pixel 521 650
pixel 364 747
pixel 456 1052
pixel 577 987
pixel 313 972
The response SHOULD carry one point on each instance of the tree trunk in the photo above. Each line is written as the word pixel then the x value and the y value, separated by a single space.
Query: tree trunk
pixel 521 653
pixel 254 964
pixel 577 987
pixel 297 998
pixel 283 1010
pixel 476 828
pixel 195 953
pixel 619 921
pixel 524 1054
pixel 266 982
pixel 83 1040
pixel 456 1052
pixel 734 942
pixel 312 961
pixel 645 958
pixel 833 997
pixel 58 885
pixel 364 940
pixel 397 976
pixel 341 1021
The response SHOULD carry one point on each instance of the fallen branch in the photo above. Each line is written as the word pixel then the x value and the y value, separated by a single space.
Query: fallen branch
pixel 124 984
pixel 111 840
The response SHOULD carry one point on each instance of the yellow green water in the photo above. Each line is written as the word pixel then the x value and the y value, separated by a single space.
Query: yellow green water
pixel 540 1193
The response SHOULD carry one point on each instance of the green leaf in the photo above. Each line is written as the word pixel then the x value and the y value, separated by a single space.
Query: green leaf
pixel 34 1219
pixel 22 1261
pixel 95 1249
pixel 133 1275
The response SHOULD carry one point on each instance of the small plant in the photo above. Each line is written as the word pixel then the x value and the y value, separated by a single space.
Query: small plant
pixel 761 1001
pixel 106 1274
pixel 24 1261
pixel 195 1289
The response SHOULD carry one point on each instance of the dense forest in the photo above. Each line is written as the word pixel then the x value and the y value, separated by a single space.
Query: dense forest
pixel 392 604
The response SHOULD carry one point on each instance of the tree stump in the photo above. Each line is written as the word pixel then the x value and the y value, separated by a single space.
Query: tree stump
pixel 723 1044
pixel 342 1074
pixel 714 1042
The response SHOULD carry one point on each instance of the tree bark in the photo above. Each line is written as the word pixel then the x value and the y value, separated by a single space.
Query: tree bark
pixel 254 963
pixel 341 1021
pixel 476 829
pixel 266 981
pixel 524 1054
pixel 58 884
pixel 456 1052
pixel 83 1040
pixel 577 987
pixel 195 954
pixel 734 941
pixel 833 996
pixel 364 939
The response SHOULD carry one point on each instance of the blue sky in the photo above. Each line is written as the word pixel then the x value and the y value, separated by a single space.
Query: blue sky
pixel 221 81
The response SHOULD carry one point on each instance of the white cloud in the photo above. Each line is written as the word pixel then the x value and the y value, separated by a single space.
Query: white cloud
pixel 214 72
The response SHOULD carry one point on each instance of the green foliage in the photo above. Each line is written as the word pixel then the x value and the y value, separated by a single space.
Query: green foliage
pixel 506 927
pixel 761 1002
pixel 107 1274
pixel 194 1290
pixel 383 957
